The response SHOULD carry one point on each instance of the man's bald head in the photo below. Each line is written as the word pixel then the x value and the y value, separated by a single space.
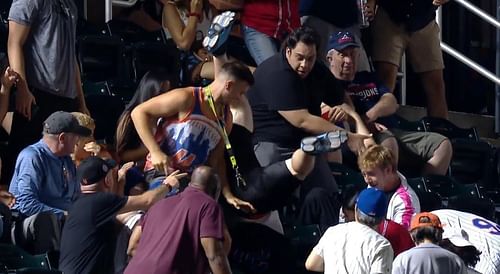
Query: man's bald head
pixel 205 178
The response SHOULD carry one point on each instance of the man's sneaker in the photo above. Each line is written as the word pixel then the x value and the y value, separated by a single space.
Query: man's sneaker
pixel 218 33
pixel 325 142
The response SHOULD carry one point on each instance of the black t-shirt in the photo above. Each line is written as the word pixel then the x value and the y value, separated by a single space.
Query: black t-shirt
pixel 340 13
pixel 89 234
pixel 414 14
pixel 278 87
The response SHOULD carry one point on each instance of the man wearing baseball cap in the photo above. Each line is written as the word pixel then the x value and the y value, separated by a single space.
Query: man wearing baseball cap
pixel 90 232
pixel 355 247
pixel 427 256
pixel 44 182
pixel 375 106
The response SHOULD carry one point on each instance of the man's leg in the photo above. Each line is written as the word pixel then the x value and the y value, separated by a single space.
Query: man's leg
pixel 39 233
pixel 260 45
pixel 319 207
pixel 426 57
pixel 301 164
pixel 433 84
pixel 387 139
pixel 430 152
pixel 440 160
pixel 387 73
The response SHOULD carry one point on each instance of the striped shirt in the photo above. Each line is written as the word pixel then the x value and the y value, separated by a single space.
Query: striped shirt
pixel 483 234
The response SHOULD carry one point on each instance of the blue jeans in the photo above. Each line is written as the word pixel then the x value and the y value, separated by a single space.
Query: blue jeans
pixel 260 45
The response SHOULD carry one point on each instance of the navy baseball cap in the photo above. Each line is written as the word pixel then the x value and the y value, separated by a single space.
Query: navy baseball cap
pixel 62 121
pixel 372 202
pixel 341 40
pixel 93 169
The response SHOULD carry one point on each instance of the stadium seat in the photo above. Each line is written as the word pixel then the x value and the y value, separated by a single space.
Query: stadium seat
pixel 404 124
pixel 100 57
pixel 448 129
pixel 132 33
pixel 15 260
pixel 345 176
pixel 150 55
pixel 96 88
pixel 105 109
pixel 474 162
pixel 483 207
pixel 429 200
pixel 448 187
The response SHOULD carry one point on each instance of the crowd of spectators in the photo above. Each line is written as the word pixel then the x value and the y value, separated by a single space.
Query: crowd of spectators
pixel 233 145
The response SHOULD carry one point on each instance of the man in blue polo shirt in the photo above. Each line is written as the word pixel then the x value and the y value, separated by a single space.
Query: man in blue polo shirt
pixel 44 181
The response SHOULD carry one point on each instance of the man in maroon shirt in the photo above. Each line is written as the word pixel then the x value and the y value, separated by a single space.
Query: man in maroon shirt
pixel 184 233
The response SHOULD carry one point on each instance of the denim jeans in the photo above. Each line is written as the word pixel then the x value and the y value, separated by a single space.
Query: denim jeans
pixel 260 45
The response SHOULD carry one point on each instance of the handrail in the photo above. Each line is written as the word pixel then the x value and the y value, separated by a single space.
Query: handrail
pixel 479 13
pixel 473 65
pixel 108 7
pixel 126 4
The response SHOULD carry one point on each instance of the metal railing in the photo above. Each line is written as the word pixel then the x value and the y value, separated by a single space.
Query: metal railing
pixel 108 7
pixel 467 61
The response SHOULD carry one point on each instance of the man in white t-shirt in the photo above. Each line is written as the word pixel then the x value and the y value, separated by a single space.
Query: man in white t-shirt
pixel 483 234
pixel 355 247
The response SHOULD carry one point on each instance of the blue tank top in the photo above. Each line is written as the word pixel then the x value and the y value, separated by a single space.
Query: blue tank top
pixel 189 141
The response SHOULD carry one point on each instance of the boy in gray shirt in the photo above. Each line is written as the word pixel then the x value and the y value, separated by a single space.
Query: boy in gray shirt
pixel 427 257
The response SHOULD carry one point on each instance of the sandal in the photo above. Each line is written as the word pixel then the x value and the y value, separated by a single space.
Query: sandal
pixel 218 33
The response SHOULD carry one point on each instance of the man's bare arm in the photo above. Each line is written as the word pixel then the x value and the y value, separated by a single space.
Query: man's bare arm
pixel 315 263
pixel 218 162
pixel 312 124
pixel 216 256
pixel 82 106
pixel 387 105
pixel 133 241
pixel 18 34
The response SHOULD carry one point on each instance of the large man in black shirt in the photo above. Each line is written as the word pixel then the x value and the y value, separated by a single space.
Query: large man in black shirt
pixel 89 235
pixel 286 102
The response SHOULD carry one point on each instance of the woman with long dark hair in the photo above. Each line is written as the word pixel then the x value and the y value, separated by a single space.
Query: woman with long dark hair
pixel 128 144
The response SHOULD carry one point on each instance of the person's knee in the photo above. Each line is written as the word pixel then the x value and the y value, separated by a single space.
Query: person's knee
pixel 444 151
pixel 392 144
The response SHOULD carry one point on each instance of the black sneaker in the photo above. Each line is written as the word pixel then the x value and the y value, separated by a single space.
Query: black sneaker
pixel 325 142
pixel 218 33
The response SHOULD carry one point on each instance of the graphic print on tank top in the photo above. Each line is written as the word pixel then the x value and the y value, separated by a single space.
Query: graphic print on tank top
pixel 187 142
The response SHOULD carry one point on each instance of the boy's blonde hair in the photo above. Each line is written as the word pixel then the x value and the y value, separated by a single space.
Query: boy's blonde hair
pixel 376 156
pixel 84 120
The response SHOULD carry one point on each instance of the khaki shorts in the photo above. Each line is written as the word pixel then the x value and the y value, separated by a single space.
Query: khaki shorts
pixel 390 41
pixel 415 148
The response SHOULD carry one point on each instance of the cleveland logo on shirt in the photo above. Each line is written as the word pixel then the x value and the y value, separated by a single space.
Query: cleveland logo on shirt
pixel 363 92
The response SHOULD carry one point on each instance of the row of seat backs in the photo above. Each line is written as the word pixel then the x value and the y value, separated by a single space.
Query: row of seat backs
pixel 13 259
pixel 474 160
pixel 439 125
pixel 108 58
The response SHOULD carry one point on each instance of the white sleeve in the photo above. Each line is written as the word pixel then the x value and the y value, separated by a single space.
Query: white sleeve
pixel 382 261
pixel 397 266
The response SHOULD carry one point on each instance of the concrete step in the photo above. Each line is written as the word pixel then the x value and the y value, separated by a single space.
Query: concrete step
pixel 484 124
